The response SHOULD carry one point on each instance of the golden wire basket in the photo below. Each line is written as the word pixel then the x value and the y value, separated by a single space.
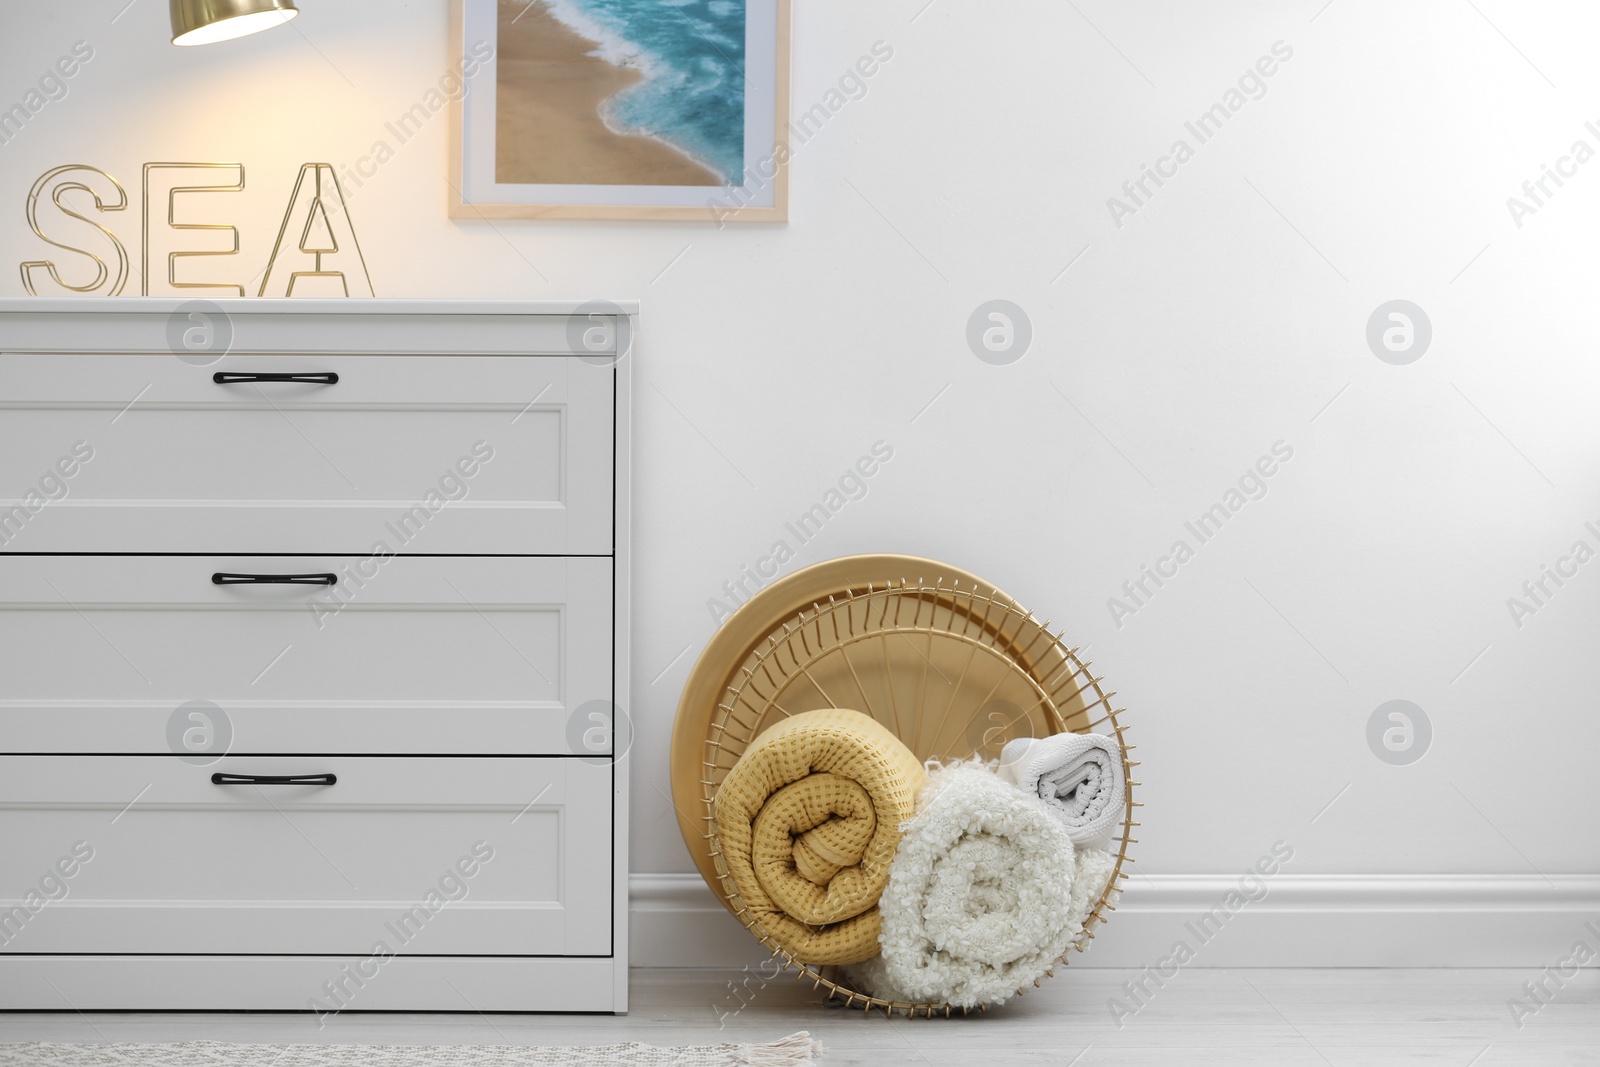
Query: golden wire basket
pixel 952 665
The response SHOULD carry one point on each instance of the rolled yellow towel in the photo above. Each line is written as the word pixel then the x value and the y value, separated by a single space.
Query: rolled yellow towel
pixel 807 823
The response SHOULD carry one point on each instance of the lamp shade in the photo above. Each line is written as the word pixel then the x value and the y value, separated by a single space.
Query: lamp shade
pixel 205 21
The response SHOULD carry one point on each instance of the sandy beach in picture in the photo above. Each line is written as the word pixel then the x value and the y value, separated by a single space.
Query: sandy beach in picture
pixel 549 129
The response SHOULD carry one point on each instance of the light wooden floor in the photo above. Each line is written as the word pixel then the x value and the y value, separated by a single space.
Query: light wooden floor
pixel 1330 1018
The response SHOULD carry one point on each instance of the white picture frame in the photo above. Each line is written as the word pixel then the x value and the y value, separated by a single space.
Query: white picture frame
pixel 488 142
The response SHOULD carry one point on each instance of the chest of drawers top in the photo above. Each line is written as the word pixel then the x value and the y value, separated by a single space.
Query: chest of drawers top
pixel 266 327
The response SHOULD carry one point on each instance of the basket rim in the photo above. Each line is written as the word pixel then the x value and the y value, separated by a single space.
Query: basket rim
pixel 736 640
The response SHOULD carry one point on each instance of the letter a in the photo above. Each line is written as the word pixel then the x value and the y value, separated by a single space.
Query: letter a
pixel 320 235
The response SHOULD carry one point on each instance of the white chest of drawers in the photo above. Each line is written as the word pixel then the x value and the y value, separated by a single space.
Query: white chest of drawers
pixel 313 653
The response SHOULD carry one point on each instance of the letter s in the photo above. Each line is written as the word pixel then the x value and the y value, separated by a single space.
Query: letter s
pixel 110 196
pixel 1281 50
pixel 1283 850
pixel 83 450
pixel 83 50
pixel 883 450
pixel 883 50
pixel 1282 450
pixel 483 450
pixel 483 850
pixel 83 851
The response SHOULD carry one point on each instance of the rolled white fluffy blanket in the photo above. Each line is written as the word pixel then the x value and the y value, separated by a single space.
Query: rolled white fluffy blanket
pixel 1078 776
pixel 984 895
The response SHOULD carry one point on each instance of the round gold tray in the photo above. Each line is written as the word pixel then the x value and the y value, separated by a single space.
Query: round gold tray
pixel 948 662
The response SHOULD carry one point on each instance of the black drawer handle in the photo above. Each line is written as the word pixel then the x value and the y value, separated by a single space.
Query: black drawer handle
pixel 273 779
pixel 222 378
pixel 221 578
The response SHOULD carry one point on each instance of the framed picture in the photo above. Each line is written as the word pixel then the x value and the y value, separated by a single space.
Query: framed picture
pixel 621 109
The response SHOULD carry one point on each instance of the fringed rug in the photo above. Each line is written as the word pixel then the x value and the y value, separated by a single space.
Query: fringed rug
pixel 796 1050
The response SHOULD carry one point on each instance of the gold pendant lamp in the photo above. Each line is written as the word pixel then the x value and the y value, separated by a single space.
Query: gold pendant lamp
pixel 205 21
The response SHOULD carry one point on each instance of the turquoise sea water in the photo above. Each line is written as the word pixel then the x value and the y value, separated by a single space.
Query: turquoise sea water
pixel 692 53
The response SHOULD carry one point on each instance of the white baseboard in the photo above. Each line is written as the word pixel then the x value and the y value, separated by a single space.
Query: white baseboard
pixel 1304 920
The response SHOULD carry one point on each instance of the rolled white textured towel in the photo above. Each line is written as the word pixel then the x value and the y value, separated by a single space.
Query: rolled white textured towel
pixel 984 895
pixel 1078 776
pixel 1092 868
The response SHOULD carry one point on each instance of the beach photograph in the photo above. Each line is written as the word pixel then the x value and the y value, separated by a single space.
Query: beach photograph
pixel 620 92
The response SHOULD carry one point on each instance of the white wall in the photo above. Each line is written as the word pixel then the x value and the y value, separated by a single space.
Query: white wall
pixel 1226 315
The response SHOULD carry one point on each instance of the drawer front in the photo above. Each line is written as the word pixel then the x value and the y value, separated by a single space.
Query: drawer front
pixel 408 655
pixel 425 857
pixel 432 454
